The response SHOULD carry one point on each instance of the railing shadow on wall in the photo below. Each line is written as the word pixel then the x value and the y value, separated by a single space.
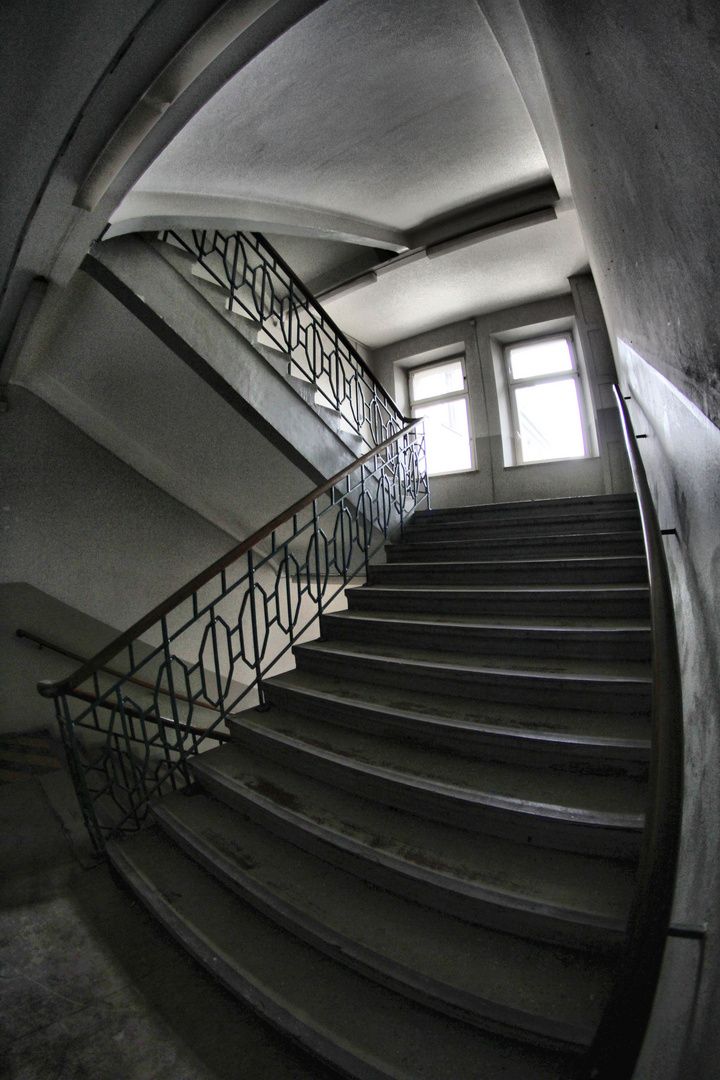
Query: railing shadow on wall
pixel 203 654
pixel 262 286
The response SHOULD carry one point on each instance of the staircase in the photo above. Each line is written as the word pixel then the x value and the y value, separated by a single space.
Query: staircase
pixel 418 858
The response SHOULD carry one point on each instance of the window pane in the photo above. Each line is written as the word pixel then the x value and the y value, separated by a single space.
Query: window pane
pixel 447 436
pixel 436 381
pixel 549 421
pixel 542 358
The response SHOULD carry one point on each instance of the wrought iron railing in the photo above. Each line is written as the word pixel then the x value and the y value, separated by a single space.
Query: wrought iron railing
pixel 263 287
pixel 179 672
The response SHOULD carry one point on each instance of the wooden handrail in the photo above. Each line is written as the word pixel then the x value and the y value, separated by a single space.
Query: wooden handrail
pixel 620 1035
pixel 50 689
pixel 45 644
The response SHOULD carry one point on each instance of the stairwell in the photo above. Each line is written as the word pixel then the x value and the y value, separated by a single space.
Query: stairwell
pixel 417 859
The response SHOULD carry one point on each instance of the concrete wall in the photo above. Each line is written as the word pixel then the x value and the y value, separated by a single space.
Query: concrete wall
pixel 482 339
pixel 636 94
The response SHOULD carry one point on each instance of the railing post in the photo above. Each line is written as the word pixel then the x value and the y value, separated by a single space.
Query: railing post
pixel 253 623
pixel 316 537
pixel 364 519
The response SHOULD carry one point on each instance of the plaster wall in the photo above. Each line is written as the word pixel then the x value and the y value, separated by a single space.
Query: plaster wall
pixel 682 458
pixel 635 90
pixel 481 340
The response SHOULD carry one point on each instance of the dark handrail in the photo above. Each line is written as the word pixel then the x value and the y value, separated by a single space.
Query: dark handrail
pixel 620 1035
pixel 52 689
pixel 45 644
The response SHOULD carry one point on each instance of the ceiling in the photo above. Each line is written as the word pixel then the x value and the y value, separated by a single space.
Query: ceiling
pixel 370 129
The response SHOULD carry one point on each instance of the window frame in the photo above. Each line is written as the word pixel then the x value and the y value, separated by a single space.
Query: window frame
pixel 536 380
pixel 453 395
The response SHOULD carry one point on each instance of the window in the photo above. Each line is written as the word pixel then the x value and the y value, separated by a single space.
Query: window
pixel 438 393
pixel 546 400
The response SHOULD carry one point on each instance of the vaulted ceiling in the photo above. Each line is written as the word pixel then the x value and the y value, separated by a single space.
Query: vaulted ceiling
pixel 386 150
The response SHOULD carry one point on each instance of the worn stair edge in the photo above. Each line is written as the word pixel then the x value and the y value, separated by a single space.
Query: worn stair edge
pixel 469 738
pixel 505 684
pixel 482 1012
pixel 615 642
pixel 517 546
pixel 610 569
pixel 425 880
pixel 616 499
pixel 625 601
pixel 550 825
pixel 418 1036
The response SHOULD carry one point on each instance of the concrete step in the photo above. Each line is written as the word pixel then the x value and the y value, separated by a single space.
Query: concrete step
pixel 364 1030
pixel 568 545
pixel 498 982
pixel 613 569
pixel 508 523
pixel 609 686
pixel 581 505
pixel 545 894
pixel 573 812
pixel 551 601
pixel 553 738
pixel 598 640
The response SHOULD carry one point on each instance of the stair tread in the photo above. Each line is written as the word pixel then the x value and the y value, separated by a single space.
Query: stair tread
pixel 360 1027
pixel 415 540
pixel 560 795
pixel 614 499
pixel 611 588
pixel 616 627
pixel 485 867
pixel 493 976
pixel 473 716
pixel 622 672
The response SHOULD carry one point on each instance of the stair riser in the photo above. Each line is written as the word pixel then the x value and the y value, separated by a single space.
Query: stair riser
pixel 425 530
pixel 453 551
pixel 545 605
pixel 581 504
pixel 571 643
pixel 552 692
pixel 418 882
pixel 513 750
pixel 468 574
pixel 531 828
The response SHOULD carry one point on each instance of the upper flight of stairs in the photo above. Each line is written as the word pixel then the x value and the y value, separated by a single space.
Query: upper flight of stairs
pixel 418 859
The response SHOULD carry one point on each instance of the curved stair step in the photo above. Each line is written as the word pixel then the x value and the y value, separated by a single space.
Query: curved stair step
pixel 534 992
pixel 505 524
pixel 558 545
pixel 555 601
pixel 555 896
pixel 521 637
pixel 364 1030
pixel 529 508
pixel 539 681
pixel 557 809
pixel 591 570
pixel 522 735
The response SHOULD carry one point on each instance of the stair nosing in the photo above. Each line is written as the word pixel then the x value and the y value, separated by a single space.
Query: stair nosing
pixel 436 993
pixel 405 868
pixel 533 810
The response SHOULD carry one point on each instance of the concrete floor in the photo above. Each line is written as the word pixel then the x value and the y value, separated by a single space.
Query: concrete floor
pixel 90 987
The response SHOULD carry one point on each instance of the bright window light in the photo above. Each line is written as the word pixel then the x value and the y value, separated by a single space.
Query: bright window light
pixel 546 400
pixel 438 394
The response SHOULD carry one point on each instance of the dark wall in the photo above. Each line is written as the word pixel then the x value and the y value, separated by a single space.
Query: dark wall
pixel 636 91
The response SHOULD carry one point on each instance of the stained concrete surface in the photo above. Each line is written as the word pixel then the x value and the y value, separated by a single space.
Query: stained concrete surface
pixel 90 987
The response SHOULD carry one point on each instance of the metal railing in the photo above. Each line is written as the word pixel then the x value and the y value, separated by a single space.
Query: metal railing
pixel 180 671
pixel 263 287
